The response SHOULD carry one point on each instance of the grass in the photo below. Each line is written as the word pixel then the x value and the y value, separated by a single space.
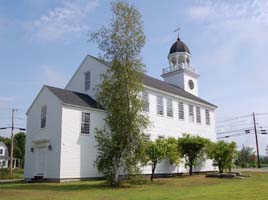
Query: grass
pixel 17 174
pixel 196 187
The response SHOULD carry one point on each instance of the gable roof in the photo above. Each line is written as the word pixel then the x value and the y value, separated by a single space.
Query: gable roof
pixel 73 98
pixel 164 86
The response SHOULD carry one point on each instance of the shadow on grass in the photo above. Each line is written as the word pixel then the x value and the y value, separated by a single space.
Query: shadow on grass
pixel 73 186
pixel 85 185
pixel 65 187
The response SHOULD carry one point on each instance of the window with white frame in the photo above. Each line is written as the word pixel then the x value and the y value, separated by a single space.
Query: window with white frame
pixel 181 110
pixel 43 116
pixel 191 113
pixel 160 105
pixel 207 117
pixel 85 123
pixel 145 99
pixel 146 137
pixel 198 115
pixel 2 151
pixel 169 108
pixel 87 80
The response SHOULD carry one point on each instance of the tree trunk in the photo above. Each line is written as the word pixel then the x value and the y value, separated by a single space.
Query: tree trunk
pixel 191 169
pixel 115 181
pixel 220 169
pixel 153 171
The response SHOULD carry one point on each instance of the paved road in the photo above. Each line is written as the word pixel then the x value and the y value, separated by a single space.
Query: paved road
pixel 11 181
pixel 250 170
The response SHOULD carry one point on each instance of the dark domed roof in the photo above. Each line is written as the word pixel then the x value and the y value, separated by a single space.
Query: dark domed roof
pixel 179 46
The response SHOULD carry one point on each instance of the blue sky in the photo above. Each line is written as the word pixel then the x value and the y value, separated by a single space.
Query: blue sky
pixel 44 41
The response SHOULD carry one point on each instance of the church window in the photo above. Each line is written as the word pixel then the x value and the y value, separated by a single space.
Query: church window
pixel 198 115
pixel 146 137
pixel 207 117
pixel 43 116
pixel 169 108
pixel 181 110
pixel 87 80
pixel 145 98
pixel 2 152
pixel 191 113
pixel 85 123
pixel 160 106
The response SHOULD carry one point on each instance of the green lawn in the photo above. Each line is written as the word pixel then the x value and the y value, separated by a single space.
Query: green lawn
pixel 17 174
pixel 196 187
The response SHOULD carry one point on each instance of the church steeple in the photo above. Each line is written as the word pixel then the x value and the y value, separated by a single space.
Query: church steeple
pixel 180 72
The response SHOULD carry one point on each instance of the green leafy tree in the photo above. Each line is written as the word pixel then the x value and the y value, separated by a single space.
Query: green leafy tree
pixel 223 153
pixel 160 149
pixel 172 153
pixel 245 157
pixel 120 144
pixel 19 147
pixel 192 148
pixel 156 151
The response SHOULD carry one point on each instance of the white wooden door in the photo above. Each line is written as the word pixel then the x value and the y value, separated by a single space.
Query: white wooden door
pixel 40 162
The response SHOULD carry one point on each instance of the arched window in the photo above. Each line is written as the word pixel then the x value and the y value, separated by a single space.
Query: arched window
pixel 188 60
pixel 2 151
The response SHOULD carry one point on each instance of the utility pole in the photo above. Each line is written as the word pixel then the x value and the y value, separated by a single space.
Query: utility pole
pixel 256 138
pixel 12 143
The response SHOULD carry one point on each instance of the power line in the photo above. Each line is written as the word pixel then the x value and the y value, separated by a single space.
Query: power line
pixel 228 136
pixel 261 113
pixel 235 118
pixel 234 131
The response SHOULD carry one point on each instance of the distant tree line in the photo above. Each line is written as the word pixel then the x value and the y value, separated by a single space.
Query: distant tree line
pixel 247 158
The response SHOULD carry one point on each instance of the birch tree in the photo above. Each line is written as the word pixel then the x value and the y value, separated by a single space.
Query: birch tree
pixel 120 142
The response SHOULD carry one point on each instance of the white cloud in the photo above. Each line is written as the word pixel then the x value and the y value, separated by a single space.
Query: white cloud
pixel 234 57
pixel 235 35
pixel 62 21
pixel 247 10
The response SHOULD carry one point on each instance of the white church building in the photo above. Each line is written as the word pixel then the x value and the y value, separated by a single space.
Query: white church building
pixel 61 123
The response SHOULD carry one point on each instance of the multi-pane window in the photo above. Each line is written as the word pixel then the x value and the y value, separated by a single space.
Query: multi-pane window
pixel 207 117
pixel 87 80
pixel 2 152
pixel 198 115
pixel 169 108
pixel 181 110
pixel 191 113
pixel 146 137
pixel 43 116
pixel 145 98
pixel 160 106
pixel 85 123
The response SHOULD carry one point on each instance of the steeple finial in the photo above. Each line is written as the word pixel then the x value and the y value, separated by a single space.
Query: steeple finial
pixel 177 30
